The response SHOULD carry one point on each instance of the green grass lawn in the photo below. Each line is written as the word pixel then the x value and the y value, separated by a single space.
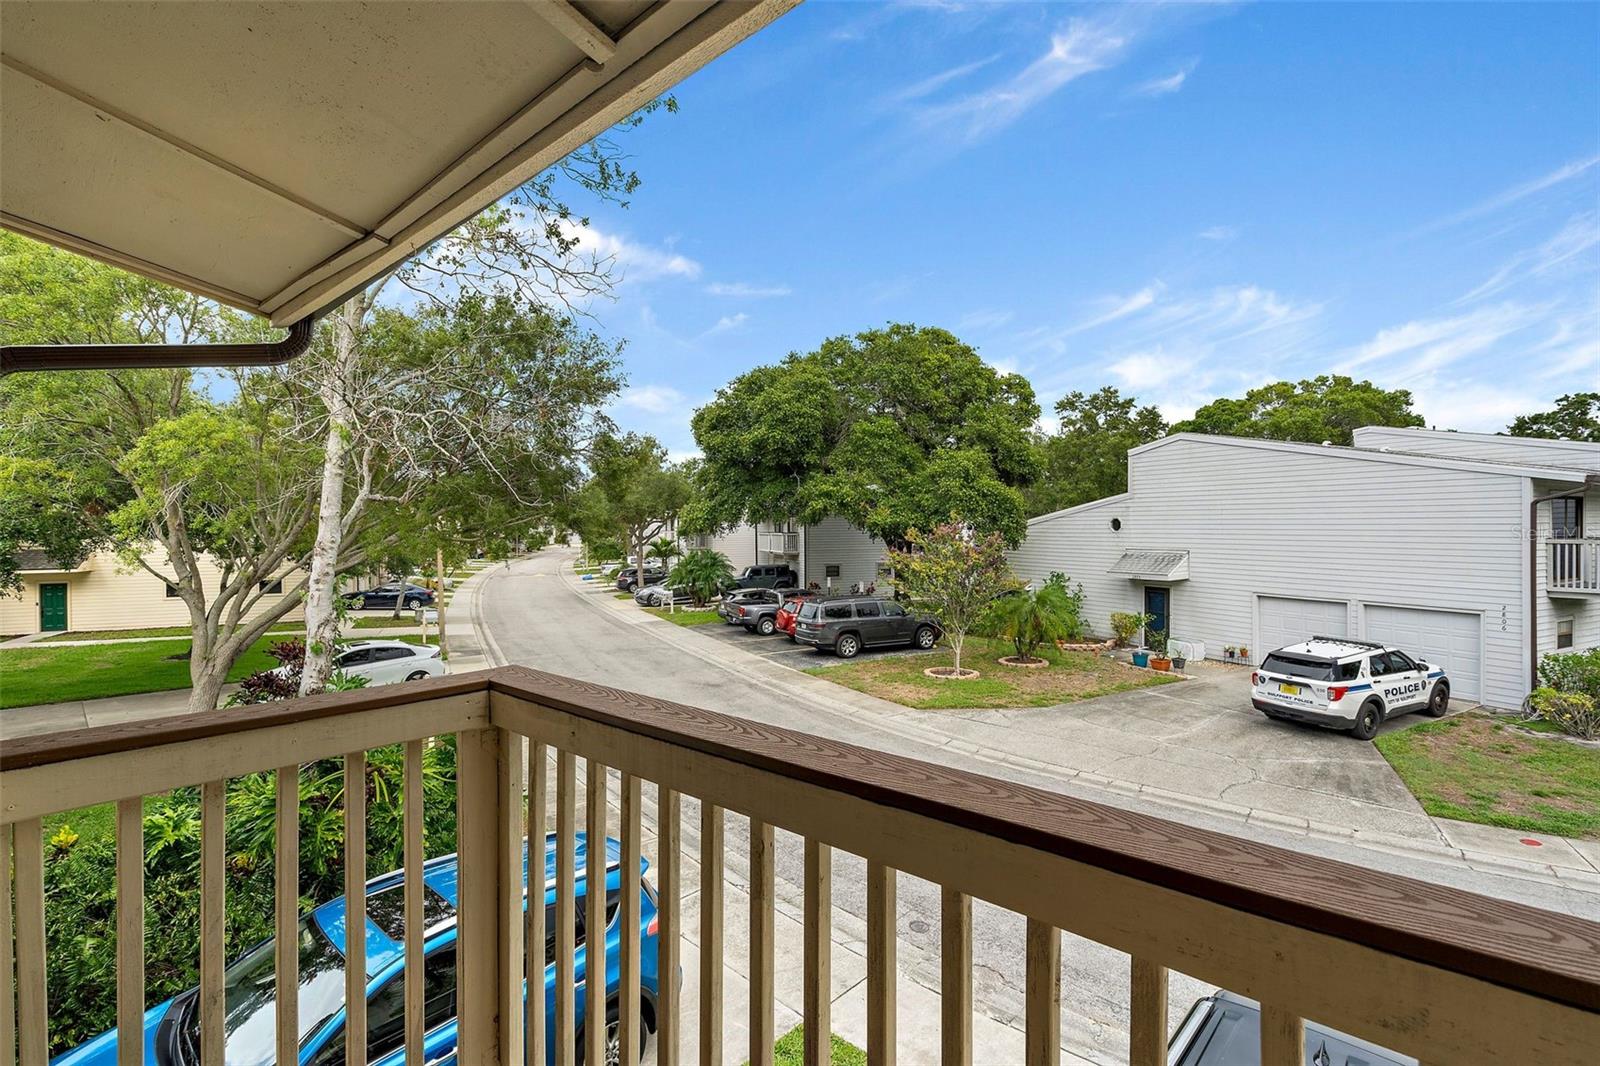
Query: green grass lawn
pixel 159 631
pixel 685 617
pixel 35 674
pixel 1071 676
pixel 1476 768
pixel 622 595
pixel 790 1050
pixel 385 621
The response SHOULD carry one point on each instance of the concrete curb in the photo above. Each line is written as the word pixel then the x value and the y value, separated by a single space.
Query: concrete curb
pixel 892 718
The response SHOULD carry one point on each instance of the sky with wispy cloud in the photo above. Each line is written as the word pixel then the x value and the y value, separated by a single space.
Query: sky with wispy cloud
pixel 1180 200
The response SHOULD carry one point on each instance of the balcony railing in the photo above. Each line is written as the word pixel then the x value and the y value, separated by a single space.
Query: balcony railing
pixel 1442 974
pixel 780 543
pixel 1573 564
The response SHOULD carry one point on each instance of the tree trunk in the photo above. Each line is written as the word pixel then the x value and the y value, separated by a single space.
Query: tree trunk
pixel 208 679
pixel 322 622
pixel 638 562
pixel 955 646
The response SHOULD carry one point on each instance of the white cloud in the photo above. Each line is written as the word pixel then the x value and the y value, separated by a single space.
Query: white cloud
pixel 1118 307
pixel 1578 236
pixel 984 319
pixel 726 324
pixel 933 83
pixel 746 290
pixel 655 399
pixel 1219 233
pixel 1083 47
pixel 1169 84
pixel 1420 347
pixel 633 261
pixel 1505 199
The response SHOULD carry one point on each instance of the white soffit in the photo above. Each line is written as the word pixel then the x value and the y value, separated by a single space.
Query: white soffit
pixel 279 156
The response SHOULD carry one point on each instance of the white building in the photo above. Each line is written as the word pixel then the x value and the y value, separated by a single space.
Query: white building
pixel 1417 537
pixel 831 553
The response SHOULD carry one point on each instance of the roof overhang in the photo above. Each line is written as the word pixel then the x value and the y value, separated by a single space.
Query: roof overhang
pixel 278 157
pixel 1160 565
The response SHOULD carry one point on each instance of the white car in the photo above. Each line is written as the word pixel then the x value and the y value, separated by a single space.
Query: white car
pixel 1347 684
pixel 384 662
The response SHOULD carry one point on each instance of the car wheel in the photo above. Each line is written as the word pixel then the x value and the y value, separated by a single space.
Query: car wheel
pixel 411 604
pixel 1367 720
pixel 925 637
pixel 847 646
pixel 766 627
pixel 418 675
pixel 1439 701
pixel 613 1044
pixel 362 604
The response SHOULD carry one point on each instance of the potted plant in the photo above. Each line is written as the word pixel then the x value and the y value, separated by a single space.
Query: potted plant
pixel 1228 653
pixel 1244 654
pixel 1157 639
pixel 1178 661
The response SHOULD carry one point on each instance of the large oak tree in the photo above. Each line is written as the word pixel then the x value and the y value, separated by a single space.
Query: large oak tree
pixel 891 429
pixel 1324 408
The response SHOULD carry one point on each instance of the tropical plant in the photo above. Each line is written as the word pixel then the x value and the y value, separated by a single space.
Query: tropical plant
pixel 702 572
pixel 1575 713
pixel 1124 625
pixel 1034 617
pixel 955 575
pixel 662 548
pixel 1157 639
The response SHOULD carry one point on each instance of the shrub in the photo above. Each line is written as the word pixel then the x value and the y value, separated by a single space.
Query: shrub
pixel 1572 672
pixel 1035 617
pixel 1125 625
pixel 1575 713
pixel 703 572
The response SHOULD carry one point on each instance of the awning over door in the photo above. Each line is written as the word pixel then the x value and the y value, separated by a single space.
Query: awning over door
pixel 280 156
pixel 1152 566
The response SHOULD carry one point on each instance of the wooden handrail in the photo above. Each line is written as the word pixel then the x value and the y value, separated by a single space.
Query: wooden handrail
pixel 1549 956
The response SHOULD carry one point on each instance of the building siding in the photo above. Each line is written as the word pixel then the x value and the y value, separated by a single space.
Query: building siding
pixel 1578 455
pixel 1583 609
pixel 835 542
pixel 1300 522
pixel 108 595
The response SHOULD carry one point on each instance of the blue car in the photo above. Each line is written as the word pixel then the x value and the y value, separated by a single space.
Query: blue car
pixel 172 1029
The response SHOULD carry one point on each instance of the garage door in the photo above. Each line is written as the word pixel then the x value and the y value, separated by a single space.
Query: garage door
pixel 1445 638
pixel 1281 621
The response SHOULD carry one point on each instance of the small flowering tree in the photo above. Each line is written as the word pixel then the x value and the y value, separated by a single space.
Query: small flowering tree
pixel 954 575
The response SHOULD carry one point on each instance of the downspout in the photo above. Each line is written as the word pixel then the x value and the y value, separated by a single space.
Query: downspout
pixel 1592 481
pixel 16 358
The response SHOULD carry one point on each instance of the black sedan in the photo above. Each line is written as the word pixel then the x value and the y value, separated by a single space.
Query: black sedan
pixel 628 580
pixel 409 597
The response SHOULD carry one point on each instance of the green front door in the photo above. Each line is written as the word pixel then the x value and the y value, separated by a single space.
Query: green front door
pixel 52 607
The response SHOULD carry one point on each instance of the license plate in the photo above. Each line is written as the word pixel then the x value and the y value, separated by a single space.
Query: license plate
pixel 1293 690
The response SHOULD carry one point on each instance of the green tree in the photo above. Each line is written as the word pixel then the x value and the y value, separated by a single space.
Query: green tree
pixel 1575 416
pixel 1035 617
pixel 954 574
pixel 703 572
pixel 891 429
pixel 633 494
pixel 1324 408
pixel 1087 457
pixel 663 549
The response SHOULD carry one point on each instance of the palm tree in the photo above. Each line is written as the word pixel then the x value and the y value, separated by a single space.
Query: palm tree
pixel 663 548
pixel 702 572
pixel 1034 617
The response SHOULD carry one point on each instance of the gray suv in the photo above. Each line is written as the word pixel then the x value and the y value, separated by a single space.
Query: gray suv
pixel 844 626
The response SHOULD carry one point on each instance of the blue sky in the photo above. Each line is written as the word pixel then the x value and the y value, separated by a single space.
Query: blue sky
pixel 1179 200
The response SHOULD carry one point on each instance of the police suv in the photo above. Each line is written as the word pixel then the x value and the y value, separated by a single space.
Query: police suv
pixel 1347 684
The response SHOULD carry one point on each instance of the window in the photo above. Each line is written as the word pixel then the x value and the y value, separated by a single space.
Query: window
pixel 831 570
pixel 1563 633
pixel 1400 662
pixel 809 610
pixel 836 610
pixel 867 609
pixel 1566 517
pixel 385 654
pixel 893 610
pixel 355 657
pixel 1380 666
pixel 1299 666
pixel 272 588
pixel 1116 524
pixel 386 1010
pixel 1350 671
pixel 172 591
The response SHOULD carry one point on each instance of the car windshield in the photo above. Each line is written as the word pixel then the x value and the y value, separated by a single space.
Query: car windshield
pixel 249 1024
pixel 809 609
pixel 1300 666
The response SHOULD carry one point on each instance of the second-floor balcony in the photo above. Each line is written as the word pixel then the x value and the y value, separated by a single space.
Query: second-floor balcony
pixel 1572 566
pixel 1424 969
pixel 778 542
